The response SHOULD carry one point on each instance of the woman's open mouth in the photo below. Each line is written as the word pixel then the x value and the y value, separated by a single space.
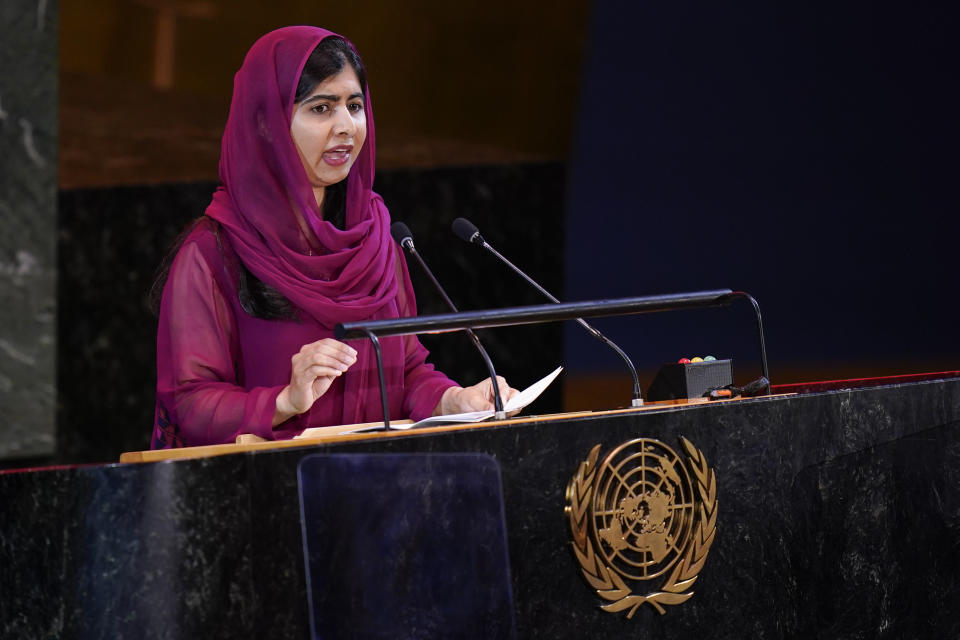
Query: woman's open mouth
pixel 337 156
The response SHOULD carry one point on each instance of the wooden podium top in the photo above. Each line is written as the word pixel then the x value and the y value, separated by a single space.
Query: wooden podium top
pixel 337 433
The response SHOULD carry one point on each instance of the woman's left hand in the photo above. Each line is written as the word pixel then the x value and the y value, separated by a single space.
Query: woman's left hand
pixel 479 397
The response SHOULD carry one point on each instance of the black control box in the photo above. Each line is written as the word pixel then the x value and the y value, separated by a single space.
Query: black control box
pixel 690 379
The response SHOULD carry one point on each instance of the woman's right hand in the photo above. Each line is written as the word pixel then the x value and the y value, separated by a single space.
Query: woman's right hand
pixel 312 372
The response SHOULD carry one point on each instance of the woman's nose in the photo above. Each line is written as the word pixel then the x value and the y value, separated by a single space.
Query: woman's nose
pixel 344 123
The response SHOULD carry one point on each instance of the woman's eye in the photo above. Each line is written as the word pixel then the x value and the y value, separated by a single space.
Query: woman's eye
pixel 355 107
pixel 320 108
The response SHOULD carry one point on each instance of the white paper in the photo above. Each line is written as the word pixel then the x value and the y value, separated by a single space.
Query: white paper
pixel 515 403
pixel 532 392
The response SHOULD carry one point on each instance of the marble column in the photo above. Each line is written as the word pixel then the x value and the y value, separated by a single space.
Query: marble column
pixel 28 183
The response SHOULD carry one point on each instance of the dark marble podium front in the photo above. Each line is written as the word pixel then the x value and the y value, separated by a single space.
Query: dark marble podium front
pixel 837 519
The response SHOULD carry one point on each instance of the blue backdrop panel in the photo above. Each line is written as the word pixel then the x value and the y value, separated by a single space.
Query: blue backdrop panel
pixel 804 152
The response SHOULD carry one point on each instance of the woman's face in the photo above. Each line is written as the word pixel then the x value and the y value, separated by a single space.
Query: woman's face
pixel 328 128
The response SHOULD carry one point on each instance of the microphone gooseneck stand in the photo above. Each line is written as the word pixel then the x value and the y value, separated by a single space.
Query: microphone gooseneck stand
pixel 404 237
pixel 468 232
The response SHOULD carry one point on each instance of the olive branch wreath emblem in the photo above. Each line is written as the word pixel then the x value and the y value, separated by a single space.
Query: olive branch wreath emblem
pixel 609 584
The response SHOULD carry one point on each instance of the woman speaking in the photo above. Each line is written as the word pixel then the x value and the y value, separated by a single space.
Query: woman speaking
pixel 293 242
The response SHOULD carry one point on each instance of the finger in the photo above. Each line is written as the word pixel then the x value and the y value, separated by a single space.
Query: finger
pixel 333 355
pixel 330 343
pixel 336 360
pixel 505 391
pixel 307 376
pixel 323 371
pixel 321 385
pixel 484 388
pixel 332 348
pixel 307 367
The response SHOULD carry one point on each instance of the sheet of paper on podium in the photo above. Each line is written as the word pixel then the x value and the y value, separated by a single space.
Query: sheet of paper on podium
pixel 515 403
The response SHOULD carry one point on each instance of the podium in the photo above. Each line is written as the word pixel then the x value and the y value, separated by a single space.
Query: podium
pixel 837 517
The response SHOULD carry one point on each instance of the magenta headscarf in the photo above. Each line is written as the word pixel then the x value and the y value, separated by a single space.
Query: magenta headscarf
pixel 263 180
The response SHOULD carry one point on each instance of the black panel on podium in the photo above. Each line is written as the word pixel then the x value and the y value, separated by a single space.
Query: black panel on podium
pixel 405 545
pixel 878 543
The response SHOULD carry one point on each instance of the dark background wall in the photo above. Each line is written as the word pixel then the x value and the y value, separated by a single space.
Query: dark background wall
pixel 803 152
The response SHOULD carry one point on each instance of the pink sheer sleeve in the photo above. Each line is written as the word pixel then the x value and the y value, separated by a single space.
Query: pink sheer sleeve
pixel 198 394
pixel 423 384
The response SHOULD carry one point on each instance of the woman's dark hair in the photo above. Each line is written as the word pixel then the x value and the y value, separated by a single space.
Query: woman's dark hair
pixel 258 299
pixel 327 60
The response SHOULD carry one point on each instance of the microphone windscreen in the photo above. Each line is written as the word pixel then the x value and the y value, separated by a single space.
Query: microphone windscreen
pixel 400 232
pixel 465 230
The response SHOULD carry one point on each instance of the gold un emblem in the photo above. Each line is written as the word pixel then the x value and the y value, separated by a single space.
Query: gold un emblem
pixel 643 516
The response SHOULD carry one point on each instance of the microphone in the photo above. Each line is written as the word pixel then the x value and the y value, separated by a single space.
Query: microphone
pixel 404 237
pixel 468 232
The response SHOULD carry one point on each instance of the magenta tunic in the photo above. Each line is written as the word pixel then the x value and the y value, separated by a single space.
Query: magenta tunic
pixel 219 370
